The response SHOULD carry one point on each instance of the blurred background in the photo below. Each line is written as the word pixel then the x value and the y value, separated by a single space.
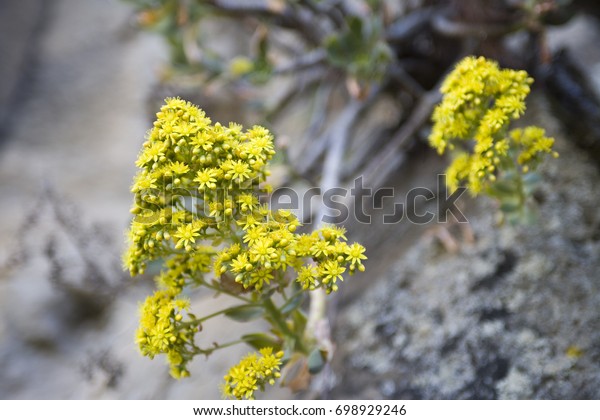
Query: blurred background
pixel 445 310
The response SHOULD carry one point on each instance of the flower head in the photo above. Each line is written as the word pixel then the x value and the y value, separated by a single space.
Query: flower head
pixel 187 234
pixel 480 101
pixel 252 373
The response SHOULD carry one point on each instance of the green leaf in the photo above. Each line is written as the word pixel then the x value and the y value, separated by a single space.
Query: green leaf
pixel 245 313
pixel 360 50
pixel 292 304
pixel 504 187
pixel 261 340
pixel 316 361
pixel 531 178
pixel 300 320
pixel 289 347
pixel 510 207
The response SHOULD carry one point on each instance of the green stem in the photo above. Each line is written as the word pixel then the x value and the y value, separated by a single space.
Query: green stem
pixel 229 344
pixel 207 317
pixel 520 186
pixel 216 346
pixel 278 320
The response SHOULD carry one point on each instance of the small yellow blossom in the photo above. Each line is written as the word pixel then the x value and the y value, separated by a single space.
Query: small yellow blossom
pixel 356 253
pixel 179 168
pixel 331 271
pixel 186 234
pixel 307 277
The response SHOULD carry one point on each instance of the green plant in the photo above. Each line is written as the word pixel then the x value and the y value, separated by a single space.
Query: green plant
pixel 360 50
pixel 480 101
pixel 326 33
pixel 197 210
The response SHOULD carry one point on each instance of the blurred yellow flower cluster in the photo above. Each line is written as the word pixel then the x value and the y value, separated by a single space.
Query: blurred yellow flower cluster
pixel 479 103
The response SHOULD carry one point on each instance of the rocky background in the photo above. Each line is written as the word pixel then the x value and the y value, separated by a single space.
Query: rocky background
pixel 444 311
pixel 511 312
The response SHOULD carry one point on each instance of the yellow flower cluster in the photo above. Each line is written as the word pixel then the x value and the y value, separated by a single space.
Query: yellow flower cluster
pixel 480 101
pixel 252 373
pixel 269 244
pixel 532 144
pixel 186 156
pixel 163 331
pixel 196 207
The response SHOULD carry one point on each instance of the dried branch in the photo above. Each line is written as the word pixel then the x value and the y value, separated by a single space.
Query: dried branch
pixel 408 26
pixel 303 82
pixel 318 321
pixel 397 73
pixel 442 24
pixel 322 9
pixel 304 62
pixel 284 15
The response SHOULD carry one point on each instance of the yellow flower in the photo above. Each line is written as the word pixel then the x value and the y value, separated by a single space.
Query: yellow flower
pixel 307 277
pixel 179 168
pixel 239 66
pixel 479 102
pixel 331 271
pixel 239 171
pixel 143 181
pixel 206 178
pixel 333 233
pixel 248 202
pixel 248 222
pixel 261 252
pixel 241 263
pixel 320 248
pixel 260 277
pixel 186 234
pixel 254 234
pixel 356 253
pixel 304 244
pixel 151 154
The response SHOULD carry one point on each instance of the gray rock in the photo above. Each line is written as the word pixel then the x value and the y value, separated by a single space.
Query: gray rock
pixel 512 315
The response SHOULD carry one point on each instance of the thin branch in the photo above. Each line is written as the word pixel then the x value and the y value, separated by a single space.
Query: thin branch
pixel 365 149
pixel 319 113
pixel 404 29
pixel 284 15
pixel 304 81
pixel 397 72
pixel 337 139
pixel 320 9
pixel 304 62
pixel 442 24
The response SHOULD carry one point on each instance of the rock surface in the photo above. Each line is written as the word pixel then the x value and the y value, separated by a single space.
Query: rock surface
pixel 513 314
